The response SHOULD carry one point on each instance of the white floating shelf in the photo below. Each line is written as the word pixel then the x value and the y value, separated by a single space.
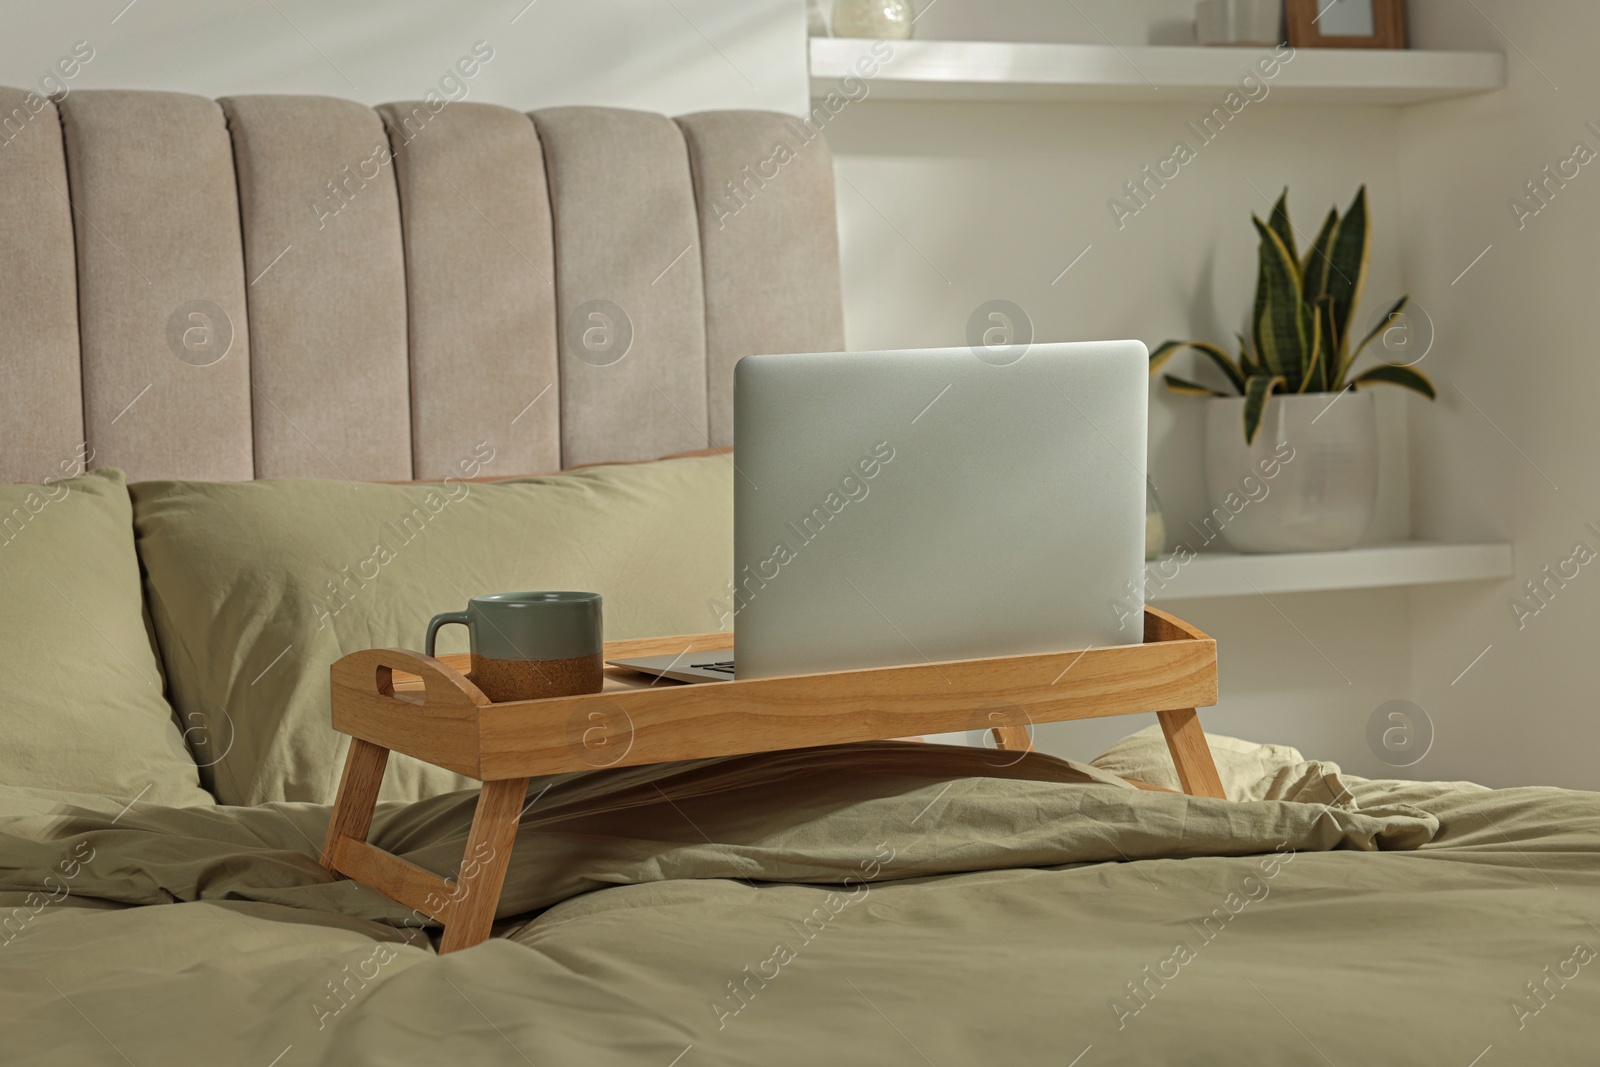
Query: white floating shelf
pixel 1096 73
pixel 1218 574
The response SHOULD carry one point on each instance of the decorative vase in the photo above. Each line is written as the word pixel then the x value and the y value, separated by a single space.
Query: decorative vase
pixel 882 20
pixel 817 18
pixel 1155 524
pixel 1238 22
pixel 1309 482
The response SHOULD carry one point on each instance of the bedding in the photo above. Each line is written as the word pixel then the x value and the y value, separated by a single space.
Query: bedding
pixel 256 588
pixel 928 906
pixel 81 705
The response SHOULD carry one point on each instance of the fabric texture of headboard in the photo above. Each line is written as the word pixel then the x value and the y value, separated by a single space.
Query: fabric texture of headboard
pixel 300 286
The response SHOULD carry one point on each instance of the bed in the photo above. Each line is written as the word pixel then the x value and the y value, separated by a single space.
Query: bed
pixel 292 336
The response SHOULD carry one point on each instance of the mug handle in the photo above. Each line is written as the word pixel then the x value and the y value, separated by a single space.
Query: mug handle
pixel 444 619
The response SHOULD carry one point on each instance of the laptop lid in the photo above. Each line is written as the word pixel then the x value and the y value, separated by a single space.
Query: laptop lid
pixel 928 505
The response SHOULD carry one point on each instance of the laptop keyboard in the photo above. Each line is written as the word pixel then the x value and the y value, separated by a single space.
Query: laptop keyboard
pixel 725 667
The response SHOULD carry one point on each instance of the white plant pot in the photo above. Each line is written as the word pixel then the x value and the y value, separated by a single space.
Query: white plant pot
pixel 1309 483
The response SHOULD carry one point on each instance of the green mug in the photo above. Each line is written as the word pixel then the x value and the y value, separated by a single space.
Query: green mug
pixel 531 645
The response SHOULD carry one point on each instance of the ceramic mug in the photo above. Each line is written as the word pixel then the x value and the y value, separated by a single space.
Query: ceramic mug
pixel 530 645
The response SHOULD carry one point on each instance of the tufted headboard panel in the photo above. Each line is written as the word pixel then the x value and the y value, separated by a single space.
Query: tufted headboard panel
pixel 298 286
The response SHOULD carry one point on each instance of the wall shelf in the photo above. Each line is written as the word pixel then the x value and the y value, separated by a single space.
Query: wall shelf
pixel 1219 574
pixel 994 70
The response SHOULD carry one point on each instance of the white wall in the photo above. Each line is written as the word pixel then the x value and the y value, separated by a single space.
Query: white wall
pixel 1000 197
pixel 687 55
pixel 945 206
pixel 1515 336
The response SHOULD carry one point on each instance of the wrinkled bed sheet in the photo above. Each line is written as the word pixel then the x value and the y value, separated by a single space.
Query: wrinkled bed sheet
pixel 866 904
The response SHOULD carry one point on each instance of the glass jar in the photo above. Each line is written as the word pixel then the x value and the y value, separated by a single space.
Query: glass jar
pixel 883 20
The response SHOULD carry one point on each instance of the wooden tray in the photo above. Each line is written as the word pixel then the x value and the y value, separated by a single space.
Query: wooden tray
pixel 397 700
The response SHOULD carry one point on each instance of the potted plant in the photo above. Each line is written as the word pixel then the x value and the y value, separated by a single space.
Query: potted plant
pixel 1292 459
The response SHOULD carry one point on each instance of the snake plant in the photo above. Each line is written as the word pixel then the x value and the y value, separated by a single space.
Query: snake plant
pixel 1300 326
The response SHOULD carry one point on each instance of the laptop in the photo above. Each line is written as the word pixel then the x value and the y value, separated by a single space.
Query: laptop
pixel 930 505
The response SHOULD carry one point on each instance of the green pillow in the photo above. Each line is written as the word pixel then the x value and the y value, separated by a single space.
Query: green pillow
pixel 257 587
pixel 81 707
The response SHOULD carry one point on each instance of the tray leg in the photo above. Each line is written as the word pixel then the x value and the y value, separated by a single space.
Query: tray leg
pixel 1197 772
pixel 357 797
pixel 1012 738
pixel 483 868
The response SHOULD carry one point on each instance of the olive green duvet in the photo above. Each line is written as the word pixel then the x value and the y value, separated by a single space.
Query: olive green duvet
pixel 873 904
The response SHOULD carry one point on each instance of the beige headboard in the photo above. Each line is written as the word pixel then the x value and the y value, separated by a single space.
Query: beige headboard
pixel 400 283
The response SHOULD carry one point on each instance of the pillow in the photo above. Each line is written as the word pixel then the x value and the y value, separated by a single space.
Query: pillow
pixel 256 588
pixel 1249 771
pixel 81 705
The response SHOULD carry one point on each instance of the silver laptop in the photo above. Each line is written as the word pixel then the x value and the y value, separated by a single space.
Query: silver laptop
pixel 923 506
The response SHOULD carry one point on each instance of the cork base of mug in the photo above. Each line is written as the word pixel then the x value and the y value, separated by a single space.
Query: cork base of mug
pixel 519 679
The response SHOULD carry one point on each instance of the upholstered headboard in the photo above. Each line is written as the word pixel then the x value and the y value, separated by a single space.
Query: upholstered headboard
pixel 388 287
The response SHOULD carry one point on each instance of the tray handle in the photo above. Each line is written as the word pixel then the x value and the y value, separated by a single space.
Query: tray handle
pixel 1160 626
pixel 372 671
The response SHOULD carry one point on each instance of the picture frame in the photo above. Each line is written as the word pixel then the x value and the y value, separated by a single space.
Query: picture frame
pixel 1329 23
